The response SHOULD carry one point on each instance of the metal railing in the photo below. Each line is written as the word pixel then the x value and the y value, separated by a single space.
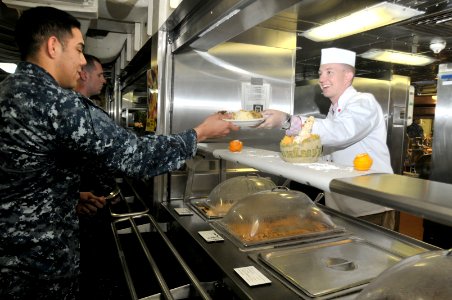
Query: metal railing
pixel 166 293
pixel 128 209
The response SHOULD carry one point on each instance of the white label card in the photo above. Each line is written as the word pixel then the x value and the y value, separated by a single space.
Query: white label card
pixel 252 276
pixel 211 236
pixel 183 211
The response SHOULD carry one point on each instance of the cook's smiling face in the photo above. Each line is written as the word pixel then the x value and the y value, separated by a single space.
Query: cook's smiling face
pixel 334 79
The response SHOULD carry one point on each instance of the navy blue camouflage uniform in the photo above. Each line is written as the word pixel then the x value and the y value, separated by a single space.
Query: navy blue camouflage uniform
pixel 46 132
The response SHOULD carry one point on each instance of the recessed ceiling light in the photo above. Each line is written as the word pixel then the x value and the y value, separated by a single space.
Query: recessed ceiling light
pixel 363 20
pixel 397 57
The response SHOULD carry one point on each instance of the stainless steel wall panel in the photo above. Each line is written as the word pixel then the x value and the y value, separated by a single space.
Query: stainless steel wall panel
pixel 398 105
pixel 161 55
pixel 267 37
pixel 219 21
pixel 207 82
pixel 442 155
pixel 310 101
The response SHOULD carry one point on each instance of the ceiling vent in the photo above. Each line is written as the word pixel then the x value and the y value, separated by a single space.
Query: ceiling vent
pixel 87 9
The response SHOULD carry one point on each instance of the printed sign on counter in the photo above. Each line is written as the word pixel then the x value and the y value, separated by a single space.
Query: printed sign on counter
pixel 211 236
pixel 183 211
pixel 252 276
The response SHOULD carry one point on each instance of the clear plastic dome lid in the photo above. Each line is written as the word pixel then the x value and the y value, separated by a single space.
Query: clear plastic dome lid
pixel 424 276
pixel 227 193
pixel 274 215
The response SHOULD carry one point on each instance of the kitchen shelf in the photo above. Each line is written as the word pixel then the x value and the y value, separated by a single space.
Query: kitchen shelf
pixel 126 113
pixel 424 198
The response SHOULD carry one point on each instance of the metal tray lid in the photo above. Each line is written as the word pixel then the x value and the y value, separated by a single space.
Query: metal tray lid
pixel 326 268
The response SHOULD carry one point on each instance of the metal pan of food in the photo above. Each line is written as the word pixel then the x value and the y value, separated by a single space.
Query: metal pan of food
pixel 279 215
pixel 230 191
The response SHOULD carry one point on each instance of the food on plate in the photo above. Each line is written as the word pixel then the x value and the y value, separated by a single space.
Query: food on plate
pixel 235 146
pixel 362 162
pixel 243 115
pixel 304 147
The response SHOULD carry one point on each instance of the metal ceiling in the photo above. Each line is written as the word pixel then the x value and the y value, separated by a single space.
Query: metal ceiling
pixel 105 30
pixel 8 49
pixel 413 35
pixel 201 30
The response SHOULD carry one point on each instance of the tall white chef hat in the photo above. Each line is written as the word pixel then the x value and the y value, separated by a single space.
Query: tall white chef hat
pixel 337 56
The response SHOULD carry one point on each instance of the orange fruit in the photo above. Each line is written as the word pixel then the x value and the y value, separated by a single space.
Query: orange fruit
pixel 235 146
pixel 362 162
pixel 287 140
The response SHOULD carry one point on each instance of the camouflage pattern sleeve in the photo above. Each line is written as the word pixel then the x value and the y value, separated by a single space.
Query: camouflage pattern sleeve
pixel 47 134
pixel 92 132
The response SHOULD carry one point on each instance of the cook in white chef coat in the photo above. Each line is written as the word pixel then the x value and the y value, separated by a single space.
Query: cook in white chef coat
pixel 355 124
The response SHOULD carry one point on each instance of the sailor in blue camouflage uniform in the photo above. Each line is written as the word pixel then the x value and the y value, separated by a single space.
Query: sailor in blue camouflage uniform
pixel 46 130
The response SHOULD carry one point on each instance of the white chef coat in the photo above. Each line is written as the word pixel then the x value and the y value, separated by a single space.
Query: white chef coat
pixel 354 125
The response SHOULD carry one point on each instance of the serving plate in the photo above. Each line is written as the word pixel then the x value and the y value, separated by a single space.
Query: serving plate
pixel 246 123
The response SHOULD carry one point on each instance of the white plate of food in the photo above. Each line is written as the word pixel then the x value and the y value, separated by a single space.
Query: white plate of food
pixel 246 123
pixel 246 118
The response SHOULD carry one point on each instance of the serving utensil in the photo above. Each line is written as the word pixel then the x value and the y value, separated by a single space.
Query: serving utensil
pixel 113 193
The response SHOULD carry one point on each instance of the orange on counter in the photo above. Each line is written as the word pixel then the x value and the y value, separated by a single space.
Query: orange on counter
pixel 362 162
pixel 235 146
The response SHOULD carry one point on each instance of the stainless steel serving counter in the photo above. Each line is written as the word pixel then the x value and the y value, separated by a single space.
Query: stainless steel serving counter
pixel 424 198
pixel 228 256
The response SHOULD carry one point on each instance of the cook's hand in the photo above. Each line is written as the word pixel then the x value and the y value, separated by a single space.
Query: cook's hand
pixel 273 118
pixel 215 126
pixel 89 203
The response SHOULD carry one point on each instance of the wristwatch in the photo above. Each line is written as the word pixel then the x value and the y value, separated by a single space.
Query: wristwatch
pixel 286 123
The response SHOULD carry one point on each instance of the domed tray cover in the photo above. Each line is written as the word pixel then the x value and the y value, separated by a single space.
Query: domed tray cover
pixel 423 276
pixel 230 191
pixel 276 215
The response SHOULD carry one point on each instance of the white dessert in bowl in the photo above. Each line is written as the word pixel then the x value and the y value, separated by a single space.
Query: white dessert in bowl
pixel 302 148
